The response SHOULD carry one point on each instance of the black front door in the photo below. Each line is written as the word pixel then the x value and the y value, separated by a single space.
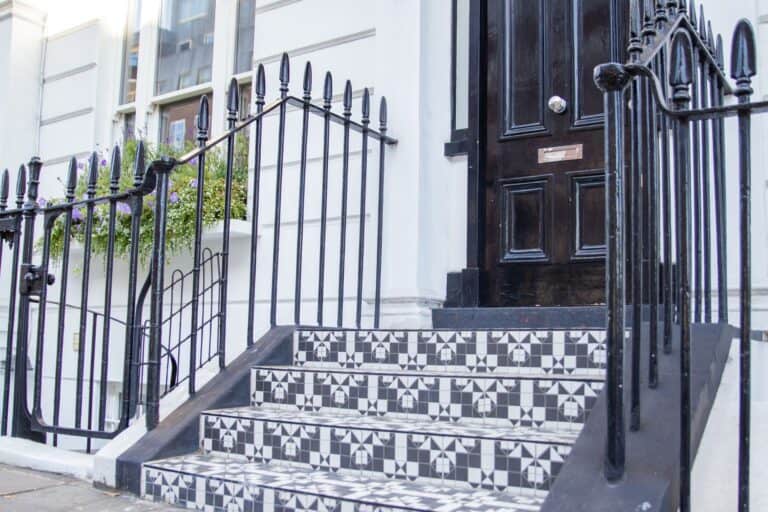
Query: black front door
pixel 543 183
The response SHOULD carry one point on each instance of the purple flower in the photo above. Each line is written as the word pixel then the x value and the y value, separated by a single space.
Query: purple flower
pixel 77 215
pixel 104 162
pixel 193 183
pixel 193 161
pixel 174 198
pixel 123 208
pixel 42 202
pixel 81 165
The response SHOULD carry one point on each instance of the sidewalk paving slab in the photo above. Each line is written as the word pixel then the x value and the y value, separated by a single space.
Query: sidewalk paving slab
pixel 24 490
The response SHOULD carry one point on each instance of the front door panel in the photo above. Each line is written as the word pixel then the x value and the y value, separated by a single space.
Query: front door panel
pixel 544 165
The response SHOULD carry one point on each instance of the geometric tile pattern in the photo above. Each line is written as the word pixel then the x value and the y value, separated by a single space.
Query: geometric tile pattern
pixel 552 403
pixel 550 352
pixel 394 449
pixel 395 421
pixel 214 484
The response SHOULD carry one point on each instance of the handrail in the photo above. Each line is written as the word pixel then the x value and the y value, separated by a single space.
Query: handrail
pixel 724 111
pixel 90 311
pixel 663 38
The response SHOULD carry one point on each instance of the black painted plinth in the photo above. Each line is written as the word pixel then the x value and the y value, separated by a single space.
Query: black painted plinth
pixel 179 433
pixel 651 480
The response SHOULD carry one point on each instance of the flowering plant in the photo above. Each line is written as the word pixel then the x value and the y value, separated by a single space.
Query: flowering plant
pixel 182 202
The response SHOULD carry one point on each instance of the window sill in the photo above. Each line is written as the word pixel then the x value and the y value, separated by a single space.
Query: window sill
pixel 182 94
pixel 126 108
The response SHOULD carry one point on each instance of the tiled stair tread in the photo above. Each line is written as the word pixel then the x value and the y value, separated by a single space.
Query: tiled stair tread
pixel 466 333
pixel 400 424
pixel 356 489
pixel 437 374
pixel 500 371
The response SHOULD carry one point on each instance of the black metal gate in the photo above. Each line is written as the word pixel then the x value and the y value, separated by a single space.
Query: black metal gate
pixel 136 335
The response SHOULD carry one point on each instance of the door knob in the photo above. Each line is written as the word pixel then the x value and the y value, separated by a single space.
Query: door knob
pixel 557 105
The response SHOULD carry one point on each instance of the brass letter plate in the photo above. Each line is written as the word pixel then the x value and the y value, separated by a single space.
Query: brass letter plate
pixel 561 154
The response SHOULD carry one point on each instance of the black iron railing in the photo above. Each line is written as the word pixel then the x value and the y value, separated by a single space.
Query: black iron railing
pixel 673 129
pixel 164 332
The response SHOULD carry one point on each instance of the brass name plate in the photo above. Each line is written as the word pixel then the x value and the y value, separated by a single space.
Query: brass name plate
pixel 561 153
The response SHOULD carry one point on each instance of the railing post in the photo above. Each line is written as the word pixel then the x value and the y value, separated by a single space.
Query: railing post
pixel 233 105
pixel 743 68
pixel 203 120
pixel 344 193
pixel 307 98
pixel 162 169
pixel 612 79
pixel 380 214
pixel 285 75
pixel 327 98
pixel 114 188
pixel 21 184
pixel 68 221
pixel 363 191
pixel 22 424
pixel 636 221
pixel 131 362
pixel 680 79
pixel 720 196
pixel 255 194
pixel 93 176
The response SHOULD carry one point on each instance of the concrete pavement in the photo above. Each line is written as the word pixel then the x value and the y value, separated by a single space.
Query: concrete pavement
pixel 24 490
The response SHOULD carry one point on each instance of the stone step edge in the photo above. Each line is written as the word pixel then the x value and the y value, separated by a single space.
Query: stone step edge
pixel 417 373
pixel 535 494
pixel 518 439
pixel 458 331
pixel 397 508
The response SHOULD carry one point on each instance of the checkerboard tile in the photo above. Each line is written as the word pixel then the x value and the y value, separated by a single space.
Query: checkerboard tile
pixel 546 403
pixel 213 483
pixel 522 352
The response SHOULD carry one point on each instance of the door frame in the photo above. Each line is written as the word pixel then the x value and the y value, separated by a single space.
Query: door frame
pixel 464 288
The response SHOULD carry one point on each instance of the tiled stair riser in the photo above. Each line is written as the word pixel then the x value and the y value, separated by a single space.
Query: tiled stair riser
pixel 496 464
pixel 547 403
pixel 535 352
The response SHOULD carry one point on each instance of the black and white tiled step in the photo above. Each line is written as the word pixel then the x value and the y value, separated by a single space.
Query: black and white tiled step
pixel 214 483
pixel 479 398
pixel 394 421
pixel 536 353
pixel 475 456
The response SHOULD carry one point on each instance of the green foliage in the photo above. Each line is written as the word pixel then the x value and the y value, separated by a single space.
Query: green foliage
pixel 182 204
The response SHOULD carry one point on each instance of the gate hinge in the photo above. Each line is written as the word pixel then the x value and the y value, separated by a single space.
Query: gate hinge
pixel 8 229
pixel 33 281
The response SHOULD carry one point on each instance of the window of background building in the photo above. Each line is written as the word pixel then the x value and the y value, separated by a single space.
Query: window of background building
pixel 246 17
pixel 129 127
pixel 178 123
pixel 245 102
pixel 459 79
pixel 185 52
pixel 131 53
